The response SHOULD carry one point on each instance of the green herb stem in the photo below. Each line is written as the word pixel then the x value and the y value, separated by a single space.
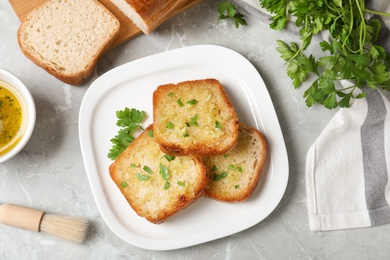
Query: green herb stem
pixel 363 29
pixel 376 12
pixel 345 39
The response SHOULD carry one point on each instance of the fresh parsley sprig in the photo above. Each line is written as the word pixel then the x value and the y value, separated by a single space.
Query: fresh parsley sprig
pixel 351 55
pixel 129 120
pixel 227 10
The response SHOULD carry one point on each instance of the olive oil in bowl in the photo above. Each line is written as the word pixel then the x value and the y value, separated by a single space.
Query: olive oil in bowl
pixel 17 115
pixel 11 117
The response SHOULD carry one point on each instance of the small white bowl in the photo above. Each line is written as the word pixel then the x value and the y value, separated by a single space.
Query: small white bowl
pixel 19 89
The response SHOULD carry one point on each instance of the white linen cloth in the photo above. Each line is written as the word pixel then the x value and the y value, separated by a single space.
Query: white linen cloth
pixel 348 166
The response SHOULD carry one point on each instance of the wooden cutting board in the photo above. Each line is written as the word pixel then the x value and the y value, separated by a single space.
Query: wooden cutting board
pixel 128 30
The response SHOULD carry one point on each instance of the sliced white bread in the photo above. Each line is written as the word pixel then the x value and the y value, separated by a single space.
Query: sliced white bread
pixel 156 185
pixel 68 37
pixel 235 175
pixel 194 117
pixel 147 15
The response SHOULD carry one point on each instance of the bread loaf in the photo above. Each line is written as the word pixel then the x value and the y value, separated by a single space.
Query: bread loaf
pixel 235 175
pixel 68 37
pixel 147 15
pixel 194 117
pixel 156 185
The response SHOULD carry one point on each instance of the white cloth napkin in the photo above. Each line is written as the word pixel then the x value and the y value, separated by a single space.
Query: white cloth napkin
pixel 348 166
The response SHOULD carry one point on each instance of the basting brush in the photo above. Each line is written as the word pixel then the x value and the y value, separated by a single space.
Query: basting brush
pixel 70 228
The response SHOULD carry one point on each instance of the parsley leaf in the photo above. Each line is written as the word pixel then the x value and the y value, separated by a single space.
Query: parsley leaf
pixel 220 176
pixel 279 9
pixel 120 143
pixel 227 10
pixel 129 120
pixel 142 177
pixel 170 125
pixel 192 102
pixel 164 171
pixel 194 120
pixel 180 102
pixel 147 169
pixel 169 157
pixel 150 133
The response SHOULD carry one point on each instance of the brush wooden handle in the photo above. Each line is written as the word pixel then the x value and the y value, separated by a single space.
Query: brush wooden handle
pixel 21 217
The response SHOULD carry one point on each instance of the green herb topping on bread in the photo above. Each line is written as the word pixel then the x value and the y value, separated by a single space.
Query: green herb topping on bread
pixel 194 117
pixel 157 185
pixel 235 175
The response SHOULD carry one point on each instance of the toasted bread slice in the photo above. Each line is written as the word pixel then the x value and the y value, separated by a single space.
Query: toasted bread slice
pixel 67 38
pixel 235 175
pixel 157 186
pixel 194 117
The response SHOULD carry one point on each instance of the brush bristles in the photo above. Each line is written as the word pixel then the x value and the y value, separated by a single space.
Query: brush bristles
pixel 70 228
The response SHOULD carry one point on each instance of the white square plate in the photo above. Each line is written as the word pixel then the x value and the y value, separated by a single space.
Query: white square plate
pixel 131 85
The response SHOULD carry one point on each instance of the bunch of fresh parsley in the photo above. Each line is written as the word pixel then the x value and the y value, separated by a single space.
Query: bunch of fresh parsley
pixel 129 120
pixel 351 55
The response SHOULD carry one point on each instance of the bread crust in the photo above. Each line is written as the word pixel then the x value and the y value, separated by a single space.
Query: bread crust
pixel 205 138
pixel 238 185
pixel 73 78
pixel 148 198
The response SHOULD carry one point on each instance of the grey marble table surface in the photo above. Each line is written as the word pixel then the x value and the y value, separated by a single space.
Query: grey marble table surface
pixel 49 173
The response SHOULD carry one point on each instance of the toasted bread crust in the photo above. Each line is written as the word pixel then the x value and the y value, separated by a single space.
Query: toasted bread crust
pixel 243 166
pixel 148 198
pixel 43 24
pixel 194 117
